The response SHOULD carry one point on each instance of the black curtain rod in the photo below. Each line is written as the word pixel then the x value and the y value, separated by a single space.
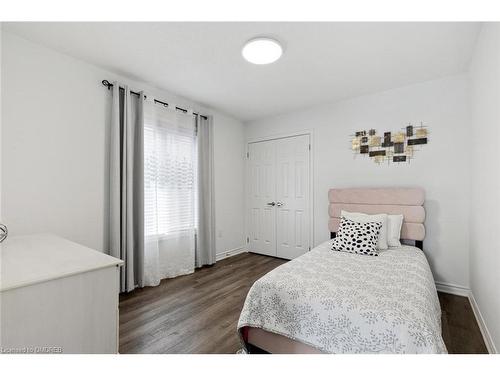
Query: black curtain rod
pixel 109 85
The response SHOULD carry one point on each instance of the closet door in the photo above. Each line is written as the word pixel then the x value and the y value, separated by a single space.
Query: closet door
pixel 292 196
pixel 262 192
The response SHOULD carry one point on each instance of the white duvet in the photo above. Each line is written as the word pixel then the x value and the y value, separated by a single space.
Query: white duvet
pixel 348 303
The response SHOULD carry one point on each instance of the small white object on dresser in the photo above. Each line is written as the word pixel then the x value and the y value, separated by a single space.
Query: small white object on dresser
pixel 57 297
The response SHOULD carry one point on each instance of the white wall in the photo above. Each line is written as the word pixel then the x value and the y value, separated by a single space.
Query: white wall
pixel 229 189
pixel 0 121
pixel 485 177
pixel 441 167
pixel 54 148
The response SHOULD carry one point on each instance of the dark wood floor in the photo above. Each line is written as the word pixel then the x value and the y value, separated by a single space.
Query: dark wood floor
pixel 198 313
pixel 461 332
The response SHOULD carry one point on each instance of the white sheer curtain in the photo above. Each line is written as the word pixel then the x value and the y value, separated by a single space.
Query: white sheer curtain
pixel 170 192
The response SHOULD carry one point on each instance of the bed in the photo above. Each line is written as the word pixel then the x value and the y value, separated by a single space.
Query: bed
pixel 335 302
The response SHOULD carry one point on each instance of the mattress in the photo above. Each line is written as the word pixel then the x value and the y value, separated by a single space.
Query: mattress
pixel 337 302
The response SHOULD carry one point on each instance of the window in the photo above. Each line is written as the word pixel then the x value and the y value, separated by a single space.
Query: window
pixel 169 172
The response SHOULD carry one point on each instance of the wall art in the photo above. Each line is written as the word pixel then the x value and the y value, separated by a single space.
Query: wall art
pixel 393 147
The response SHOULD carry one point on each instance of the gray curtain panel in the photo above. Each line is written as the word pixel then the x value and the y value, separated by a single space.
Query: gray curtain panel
pixel 205 237
pixel 127 185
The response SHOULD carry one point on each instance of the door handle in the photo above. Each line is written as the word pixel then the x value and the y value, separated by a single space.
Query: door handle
pixel 271 204
pixel 279 204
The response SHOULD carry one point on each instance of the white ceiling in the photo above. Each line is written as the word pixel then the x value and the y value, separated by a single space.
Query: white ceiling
pixel 322 62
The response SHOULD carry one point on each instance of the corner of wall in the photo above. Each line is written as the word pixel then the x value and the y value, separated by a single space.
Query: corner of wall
pixel 484 252
pixel 1 121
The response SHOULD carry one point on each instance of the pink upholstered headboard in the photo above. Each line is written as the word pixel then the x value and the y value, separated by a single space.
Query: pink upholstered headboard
pixel 406 201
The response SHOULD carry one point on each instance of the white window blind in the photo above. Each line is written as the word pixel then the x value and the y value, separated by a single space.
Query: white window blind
pixel 170 161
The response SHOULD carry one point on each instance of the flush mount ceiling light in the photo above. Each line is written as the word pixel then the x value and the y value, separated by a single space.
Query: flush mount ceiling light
pixel 262 51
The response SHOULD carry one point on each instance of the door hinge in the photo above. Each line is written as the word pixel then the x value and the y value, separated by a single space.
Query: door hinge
pixel 248 240
pixel 248 155
pixel 309 147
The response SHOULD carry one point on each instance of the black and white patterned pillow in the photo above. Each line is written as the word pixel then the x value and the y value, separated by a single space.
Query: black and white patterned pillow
pixel 358 238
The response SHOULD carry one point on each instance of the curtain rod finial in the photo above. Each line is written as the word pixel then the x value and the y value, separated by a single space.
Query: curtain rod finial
pixel 106 83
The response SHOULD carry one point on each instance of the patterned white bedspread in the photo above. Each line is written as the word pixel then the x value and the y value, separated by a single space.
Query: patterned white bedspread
pixel 349 303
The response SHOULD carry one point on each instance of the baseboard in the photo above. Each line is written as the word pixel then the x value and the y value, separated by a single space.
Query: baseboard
pixel 488 341
pixel 230 253
pixel 452 289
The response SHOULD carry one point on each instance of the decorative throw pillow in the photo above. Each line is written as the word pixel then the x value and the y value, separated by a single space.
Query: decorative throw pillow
pixel 358 238
pixel 366 218
pixel 394 223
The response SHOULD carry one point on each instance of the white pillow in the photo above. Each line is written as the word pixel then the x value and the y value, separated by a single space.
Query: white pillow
pixel 394 224
pixel 364 218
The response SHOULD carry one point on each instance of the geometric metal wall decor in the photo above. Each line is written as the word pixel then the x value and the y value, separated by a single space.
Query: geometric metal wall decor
pixel 392 147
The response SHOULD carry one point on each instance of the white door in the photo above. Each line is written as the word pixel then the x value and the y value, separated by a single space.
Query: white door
pixel 292 197
pixel 262 191
pixel 279 197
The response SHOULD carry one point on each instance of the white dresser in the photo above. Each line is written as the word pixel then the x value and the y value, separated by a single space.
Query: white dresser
pixel 57 296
